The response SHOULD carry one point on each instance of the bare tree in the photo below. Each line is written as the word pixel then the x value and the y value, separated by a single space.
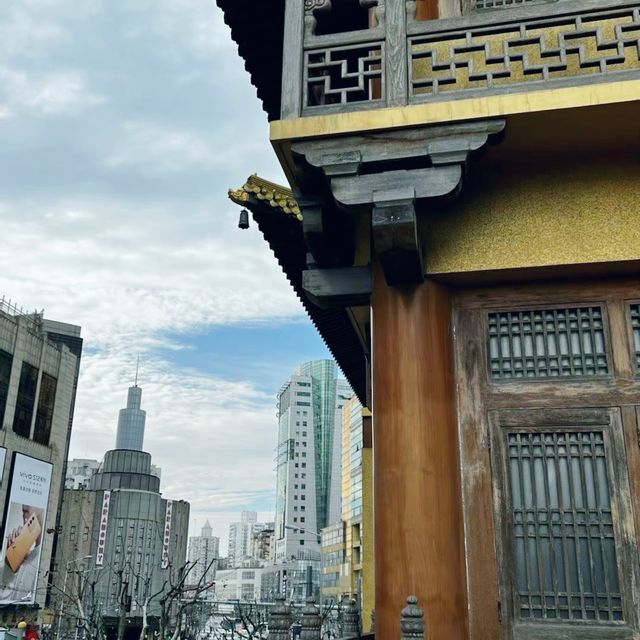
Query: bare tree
pixel 177 597
pixel 250 621
pixel 83 603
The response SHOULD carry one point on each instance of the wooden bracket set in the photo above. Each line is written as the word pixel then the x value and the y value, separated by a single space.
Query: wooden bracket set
pixel 392 175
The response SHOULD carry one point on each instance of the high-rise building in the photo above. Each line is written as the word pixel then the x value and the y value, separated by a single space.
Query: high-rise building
pixel 264 546
pixel 123 535
pixel 357 508
pixel 203 553
pixel 308 458
pixel 347 547
pixel 79 473
pixel 241 535
pixel 131 422
pixel 38 381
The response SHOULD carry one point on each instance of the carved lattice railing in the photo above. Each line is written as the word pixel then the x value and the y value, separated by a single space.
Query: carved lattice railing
pixel 523 46
pixel 492 52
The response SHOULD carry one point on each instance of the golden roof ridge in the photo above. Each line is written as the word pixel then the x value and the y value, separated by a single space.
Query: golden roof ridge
pixel 276 195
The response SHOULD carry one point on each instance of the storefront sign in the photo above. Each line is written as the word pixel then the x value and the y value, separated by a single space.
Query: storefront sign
pixel 102 532
pixel 166 538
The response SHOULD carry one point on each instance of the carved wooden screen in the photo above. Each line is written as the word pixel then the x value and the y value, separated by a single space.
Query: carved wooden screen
pixel 494 4
pixel 562 474
pixel 549 419
pixel 547 343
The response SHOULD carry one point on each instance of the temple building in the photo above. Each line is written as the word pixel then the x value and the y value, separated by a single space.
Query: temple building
pixel 462 226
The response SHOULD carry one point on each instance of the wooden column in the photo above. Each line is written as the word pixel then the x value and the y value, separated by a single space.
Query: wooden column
pixel 418 505
pixel 427 10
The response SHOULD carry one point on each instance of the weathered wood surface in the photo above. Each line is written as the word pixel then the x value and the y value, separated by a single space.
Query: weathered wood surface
pixel 428 183
pixel 543 402
pixel 482 576
pixel 396 72
pixel 437 143
pixel 292 68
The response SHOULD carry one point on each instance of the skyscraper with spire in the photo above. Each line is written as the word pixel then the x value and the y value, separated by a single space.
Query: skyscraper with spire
pixel 134 539
pixel 131 421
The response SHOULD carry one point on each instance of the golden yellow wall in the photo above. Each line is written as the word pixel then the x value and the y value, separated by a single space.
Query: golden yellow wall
pixel 368 571
pixel 536 211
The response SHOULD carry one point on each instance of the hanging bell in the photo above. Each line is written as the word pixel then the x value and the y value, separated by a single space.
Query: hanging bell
pixel 243 222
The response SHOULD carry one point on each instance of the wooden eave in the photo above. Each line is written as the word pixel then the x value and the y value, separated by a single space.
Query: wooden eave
pixel 283 233
pixel 257 27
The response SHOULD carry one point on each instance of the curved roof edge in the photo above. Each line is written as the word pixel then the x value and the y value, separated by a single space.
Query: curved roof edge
pixel 258 30
pixel 285 237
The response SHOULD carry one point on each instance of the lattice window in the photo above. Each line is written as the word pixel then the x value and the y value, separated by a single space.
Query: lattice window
pixel 635 326
pixel 561 519
pixel 343 75
pixel 547 343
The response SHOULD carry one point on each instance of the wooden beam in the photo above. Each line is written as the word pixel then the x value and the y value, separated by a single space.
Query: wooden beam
pixel 343 287
pixel 431 182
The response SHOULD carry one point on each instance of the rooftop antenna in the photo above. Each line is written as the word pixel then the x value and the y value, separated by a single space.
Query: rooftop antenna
pixel 135 384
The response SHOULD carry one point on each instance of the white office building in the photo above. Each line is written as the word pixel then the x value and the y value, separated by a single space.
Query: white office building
pixel 308 492
pixel 241 535
pixel 79 473
pixel 204 551
pixel 242 584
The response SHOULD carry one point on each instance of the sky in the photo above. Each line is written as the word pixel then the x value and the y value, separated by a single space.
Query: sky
pixel 123 124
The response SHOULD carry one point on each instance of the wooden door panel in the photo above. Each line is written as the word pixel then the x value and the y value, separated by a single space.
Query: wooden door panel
pixel 564 523
pixel 480 396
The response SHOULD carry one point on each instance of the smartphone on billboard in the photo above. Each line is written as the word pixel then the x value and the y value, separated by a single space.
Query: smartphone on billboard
pixel 20 547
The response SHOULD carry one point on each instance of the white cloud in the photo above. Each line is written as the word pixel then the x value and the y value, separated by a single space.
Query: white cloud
pixel 129 277
pixel 162 149
pixel 196 25
pixel 25 31
pixel 130 272
pixel 64 92
pixel 116 219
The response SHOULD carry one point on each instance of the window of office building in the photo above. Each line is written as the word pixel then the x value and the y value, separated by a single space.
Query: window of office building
pixel 44 413
pixel 6 360
pixel 25 400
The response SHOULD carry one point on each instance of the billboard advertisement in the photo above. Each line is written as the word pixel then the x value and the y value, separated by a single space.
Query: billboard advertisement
pixel 3 457
pixel 24 527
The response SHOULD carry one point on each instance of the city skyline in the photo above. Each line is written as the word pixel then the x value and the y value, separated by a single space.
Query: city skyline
pixel 111 116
